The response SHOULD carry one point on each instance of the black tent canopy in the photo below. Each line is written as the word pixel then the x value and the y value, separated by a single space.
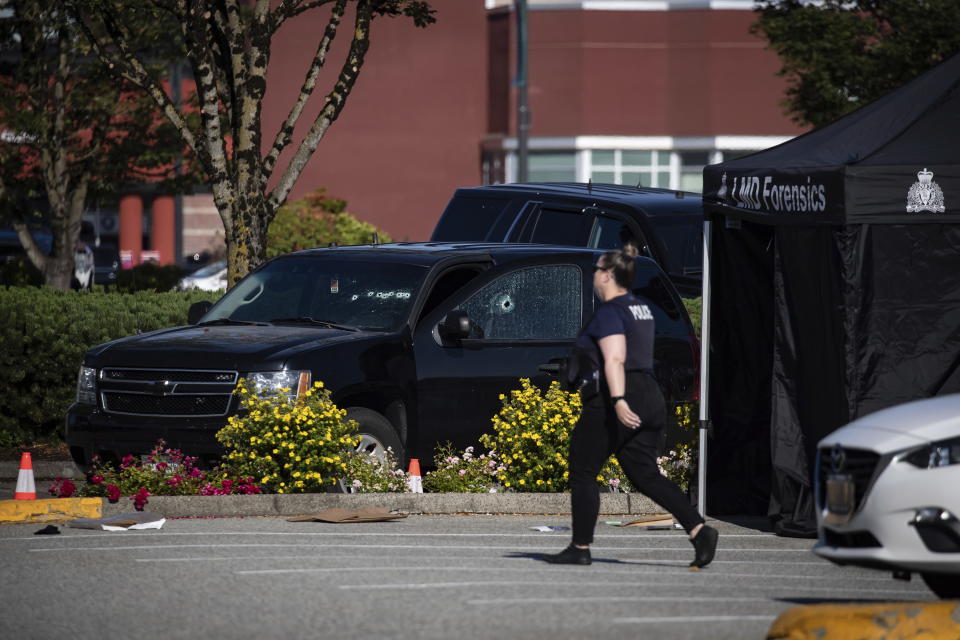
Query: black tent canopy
pixel 835 288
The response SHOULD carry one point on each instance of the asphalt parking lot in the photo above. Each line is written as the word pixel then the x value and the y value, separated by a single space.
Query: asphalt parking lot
pixel 421 577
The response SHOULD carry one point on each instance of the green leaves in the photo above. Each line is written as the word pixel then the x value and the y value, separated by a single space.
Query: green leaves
pixel 838 55
pixel 316 221
pixel 43 334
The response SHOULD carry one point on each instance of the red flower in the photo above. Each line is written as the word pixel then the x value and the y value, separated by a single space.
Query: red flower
pixel 113 492
pixel 97 480
pixel 62 488
pixel 140 498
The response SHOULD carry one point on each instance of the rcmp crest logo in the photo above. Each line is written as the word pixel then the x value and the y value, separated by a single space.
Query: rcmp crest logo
pixel 925 194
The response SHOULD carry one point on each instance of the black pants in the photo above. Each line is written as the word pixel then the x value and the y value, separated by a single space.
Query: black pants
pixel 599 434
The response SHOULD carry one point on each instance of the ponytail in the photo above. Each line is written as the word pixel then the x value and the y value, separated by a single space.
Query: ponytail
pixel 623 264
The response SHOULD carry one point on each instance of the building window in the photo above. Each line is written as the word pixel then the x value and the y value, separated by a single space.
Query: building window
pixel 554 166
pixel 691 170
pixel 632 167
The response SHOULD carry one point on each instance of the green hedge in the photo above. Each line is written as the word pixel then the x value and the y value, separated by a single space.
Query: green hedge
pixel 694 310
pixel 43 334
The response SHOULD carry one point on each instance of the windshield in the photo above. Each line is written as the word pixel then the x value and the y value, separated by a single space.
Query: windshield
pixel 312 290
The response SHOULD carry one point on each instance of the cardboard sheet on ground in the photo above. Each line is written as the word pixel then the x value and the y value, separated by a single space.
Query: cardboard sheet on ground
pixel 648 522
pixel 122 522
pixel 373 514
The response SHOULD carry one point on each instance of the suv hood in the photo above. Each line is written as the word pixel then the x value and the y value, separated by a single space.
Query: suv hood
pixel 239 347
pixel 901 427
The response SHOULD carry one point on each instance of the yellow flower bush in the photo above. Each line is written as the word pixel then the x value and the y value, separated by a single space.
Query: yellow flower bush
pixel 679 464
pixel 288 447
pixel 531 437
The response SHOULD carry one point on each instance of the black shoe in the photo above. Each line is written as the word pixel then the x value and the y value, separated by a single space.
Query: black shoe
pixel 704 545
pixel 570 555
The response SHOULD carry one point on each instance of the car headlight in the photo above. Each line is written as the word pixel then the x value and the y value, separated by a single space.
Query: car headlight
pixel 935 454
pixel 87 385
pixel 270 383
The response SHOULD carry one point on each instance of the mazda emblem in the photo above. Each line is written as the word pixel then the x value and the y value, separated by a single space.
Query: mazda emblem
pixel 838 459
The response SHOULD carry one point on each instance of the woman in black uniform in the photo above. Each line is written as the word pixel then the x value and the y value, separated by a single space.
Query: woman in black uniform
pixel 623 414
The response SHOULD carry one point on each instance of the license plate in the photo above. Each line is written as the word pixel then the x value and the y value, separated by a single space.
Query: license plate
pixel 840 498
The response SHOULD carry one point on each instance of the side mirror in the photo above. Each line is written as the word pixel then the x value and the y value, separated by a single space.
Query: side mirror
pixel 455 325
pixel 198 310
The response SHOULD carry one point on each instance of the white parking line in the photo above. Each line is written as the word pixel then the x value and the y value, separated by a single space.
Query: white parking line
pixel 399 546
pixel 667 563
pixel 559 534
pixel 602 599
pixel 658 583
pixel 690 619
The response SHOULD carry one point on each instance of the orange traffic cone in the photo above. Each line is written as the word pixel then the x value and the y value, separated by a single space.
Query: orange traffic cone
pixel 414 481
pixel 26 489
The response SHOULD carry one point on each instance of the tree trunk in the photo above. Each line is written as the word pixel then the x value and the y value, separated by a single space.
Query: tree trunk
pixel 246 235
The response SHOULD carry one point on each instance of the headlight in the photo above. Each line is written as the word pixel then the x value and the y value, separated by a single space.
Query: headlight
pixel 270 383
pixel 87 386
pixel 936 454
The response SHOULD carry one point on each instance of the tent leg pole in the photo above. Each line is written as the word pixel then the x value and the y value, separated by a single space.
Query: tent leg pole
pixel 704 372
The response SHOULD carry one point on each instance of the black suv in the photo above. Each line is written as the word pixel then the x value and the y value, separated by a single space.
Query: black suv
pixel 665 225
pixel 416 341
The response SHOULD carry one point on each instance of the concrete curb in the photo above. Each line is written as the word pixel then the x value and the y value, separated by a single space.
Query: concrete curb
pixel 52 510
pixel 867 622
pixel 42 470
pixel 64 509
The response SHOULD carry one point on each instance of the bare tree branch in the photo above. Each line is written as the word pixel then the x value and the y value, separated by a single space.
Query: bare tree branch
pixel 196 32
pixel 285 134
pixel 292 9
pixel 333 105
pixel 133 70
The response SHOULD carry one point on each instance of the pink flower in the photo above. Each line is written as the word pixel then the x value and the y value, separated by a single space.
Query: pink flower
pixel 614 482
pixel 127 461
pixel 113 492
pixel 462 472
pixel 175 481
pixel 97 480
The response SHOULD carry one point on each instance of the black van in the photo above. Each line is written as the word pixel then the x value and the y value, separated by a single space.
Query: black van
pixel 666 225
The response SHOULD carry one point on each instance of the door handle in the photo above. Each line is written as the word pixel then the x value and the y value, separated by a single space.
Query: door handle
pixel 550 367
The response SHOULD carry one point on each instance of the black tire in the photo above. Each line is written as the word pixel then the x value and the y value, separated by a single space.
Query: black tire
pixel 376 433
pixel 943 584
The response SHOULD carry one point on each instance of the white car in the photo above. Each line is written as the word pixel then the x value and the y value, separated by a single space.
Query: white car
pixel 888 493
pixel 212 277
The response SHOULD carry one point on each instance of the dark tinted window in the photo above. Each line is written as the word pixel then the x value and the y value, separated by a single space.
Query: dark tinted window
pixel 560 227
pixel 364 294
pixel 682 237
pixel 652 286
pixel 537 303
pixel 612 233
pixel 473 219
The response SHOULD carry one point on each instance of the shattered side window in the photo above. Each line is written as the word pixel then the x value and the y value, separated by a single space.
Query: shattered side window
pixel 536 303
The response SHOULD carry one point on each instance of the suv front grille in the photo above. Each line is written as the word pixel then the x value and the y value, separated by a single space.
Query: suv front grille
pixel 167 392
pixel 859 463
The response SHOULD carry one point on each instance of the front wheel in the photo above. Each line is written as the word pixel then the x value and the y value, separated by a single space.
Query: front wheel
pixel 943 584
pixel 376 434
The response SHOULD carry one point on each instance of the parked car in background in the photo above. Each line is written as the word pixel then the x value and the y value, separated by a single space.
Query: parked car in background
pixel 888 493
pixel 212 277
pixel 415 341
pixel 664 225
pixel 106 265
